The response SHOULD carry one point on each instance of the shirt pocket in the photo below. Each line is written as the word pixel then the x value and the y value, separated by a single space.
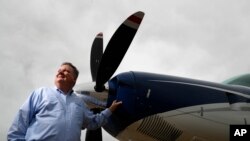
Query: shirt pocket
pixel 53 110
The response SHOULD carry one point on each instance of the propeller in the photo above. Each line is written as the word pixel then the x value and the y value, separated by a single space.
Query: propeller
pixel 103 65
pixel 96 55
pixel 95 59
pixel 116 49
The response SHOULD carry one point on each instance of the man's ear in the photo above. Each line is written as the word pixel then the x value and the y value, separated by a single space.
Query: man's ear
pixel 75 80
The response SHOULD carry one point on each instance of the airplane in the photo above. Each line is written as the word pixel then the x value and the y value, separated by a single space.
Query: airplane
pixel 159 107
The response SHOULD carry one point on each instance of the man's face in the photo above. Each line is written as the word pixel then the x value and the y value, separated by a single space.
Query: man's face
pixel 65 74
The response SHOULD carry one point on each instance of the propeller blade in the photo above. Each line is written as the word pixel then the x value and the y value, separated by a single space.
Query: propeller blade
pixel 96 55
pixel 117 48
pixel 94 135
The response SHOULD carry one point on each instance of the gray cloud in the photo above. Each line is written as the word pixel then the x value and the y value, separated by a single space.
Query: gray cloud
pixel 198 39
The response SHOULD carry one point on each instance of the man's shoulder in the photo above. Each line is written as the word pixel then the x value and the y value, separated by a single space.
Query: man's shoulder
pixel 43 91
pixel 79 98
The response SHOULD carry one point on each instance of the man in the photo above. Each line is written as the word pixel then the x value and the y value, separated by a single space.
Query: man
pixel 56 114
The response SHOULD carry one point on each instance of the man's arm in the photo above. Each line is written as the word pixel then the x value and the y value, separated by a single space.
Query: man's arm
pixel 95 121
pixel 17 130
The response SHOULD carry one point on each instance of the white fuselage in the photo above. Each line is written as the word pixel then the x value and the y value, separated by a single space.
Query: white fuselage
pixel 197 123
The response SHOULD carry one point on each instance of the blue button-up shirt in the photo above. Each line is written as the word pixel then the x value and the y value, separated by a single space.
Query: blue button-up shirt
pixel 50 115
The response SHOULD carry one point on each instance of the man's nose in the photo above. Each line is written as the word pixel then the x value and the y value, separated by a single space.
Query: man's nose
pixel 60 72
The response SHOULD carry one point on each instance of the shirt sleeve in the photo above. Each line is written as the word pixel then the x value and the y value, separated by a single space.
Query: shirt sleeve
pixel 93 121
pixel 18 128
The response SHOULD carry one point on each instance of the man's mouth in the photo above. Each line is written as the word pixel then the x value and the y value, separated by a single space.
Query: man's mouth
pixel 60 76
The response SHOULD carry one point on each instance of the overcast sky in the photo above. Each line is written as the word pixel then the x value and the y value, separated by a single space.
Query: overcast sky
pixel 201 39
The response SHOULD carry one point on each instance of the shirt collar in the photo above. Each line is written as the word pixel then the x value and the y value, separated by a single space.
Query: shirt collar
pixel 60 91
